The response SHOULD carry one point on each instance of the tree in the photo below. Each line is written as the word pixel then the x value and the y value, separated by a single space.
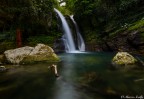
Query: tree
pixel 98 16
pixel 26 15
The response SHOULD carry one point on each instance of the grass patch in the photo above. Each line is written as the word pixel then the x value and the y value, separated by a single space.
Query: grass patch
pixel 138 25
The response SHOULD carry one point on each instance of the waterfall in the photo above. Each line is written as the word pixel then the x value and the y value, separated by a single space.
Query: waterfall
pixel 68 39
pixel 81 44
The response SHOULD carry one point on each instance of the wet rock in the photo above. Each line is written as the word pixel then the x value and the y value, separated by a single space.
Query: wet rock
pixel 15 56
pixel 123 58
pixel 30 54
pixel 2 68
pixel 41 53
pixel 124 61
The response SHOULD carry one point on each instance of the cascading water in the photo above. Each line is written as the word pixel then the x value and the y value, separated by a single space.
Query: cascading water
pixel 81 44
pixel 68 39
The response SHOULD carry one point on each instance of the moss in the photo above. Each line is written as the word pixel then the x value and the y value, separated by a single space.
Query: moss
pixel 137 25
pixel 123 58
pixel 65 11
pixel 40 58
pixel 116 32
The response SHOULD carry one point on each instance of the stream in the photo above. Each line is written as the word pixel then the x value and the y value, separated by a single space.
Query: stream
pixel 82 76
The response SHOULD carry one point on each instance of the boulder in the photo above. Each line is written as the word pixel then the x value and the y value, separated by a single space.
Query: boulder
pixel 123 58
pixel 15 56
pixel 41 53
pixel 28 54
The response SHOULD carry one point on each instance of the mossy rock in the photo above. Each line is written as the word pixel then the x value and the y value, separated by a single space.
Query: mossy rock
pixel 25 55
pixel 41 53
pixel 123 60
pixel 40 58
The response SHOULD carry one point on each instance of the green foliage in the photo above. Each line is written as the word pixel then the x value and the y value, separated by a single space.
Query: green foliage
pixel 125 4
pixel 33 40
pixel 64 10
pixel 90 36
pixel 8 36
pixel 70 4
pixel 43 38
pixel 106 17
pixel 96 18
pixel 26 13
pixel 6 45
pixel 33 17
pixel 8 40
pixel 118 31
pixel 137 25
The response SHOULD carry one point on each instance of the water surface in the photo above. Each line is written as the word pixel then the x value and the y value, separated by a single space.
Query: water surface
pixel 82 76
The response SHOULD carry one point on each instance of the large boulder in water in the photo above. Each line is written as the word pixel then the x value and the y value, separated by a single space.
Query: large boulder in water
pixel 28 54
pixel 15 56
pixel 41 53
pixel 124 59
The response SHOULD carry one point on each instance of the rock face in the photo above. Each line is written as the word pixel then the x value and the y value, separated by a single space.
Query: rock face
pixel 28 54
pixel 59 46
pixel 123 58
pixel 126 41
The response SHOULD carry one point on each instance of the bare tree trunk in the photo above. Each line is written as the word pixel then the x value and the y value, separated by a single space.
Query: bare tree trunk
pixel 18 38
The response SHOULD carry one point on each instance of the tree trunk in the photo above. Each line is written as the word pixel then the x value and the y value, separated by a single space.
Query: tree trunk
pixel 18 38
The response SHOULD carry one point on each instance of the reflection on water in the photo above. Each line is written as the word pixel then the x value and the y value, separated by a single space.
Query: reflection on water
pixel 64 88
pixel 82 76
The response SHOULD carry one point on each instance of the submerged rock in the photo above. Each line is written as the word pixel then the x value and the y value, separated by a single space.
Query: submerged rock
pixel 30 54
pixel 2 68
